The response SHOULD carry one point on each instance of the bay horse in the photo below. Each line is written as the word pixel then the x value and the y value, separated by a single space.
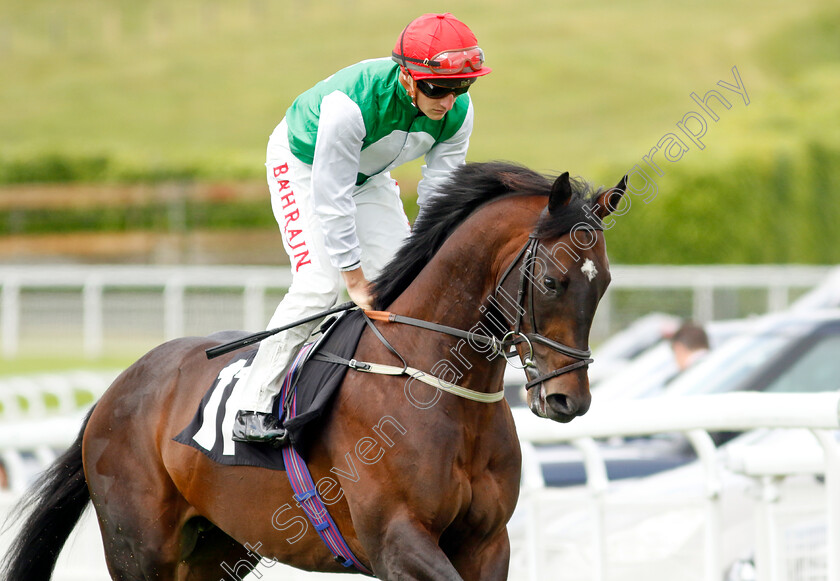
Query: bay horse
pixel 420 483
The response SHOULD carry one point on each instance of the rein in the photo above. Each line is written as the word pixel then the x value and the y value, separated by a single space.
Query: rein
pixel 499 346
pixel 387 317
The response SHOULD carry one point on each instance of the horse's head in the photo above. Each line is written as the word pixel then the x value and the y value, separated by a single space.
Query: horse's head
pixel 539 297
pixel 563 272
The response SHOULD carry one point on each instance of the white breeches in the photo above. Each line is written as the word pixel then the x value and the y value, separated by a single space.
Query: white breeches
pixel 381 227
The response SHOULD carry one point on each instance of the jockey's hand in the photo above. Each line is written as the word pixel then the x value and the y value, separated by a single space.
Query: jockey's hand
pixel 358 288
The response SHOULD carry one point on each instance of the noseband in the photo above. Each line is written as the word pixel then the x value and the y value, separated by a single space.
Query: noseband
pixel 526 283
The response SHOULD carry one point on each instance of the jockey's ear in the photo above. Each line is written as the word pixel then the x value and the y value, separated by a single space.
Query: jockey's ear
pixel 609 200
pixel 561 193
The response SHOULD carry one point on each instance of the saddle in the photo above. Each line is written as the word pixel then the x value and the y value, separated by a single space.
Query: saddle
pixel 314 381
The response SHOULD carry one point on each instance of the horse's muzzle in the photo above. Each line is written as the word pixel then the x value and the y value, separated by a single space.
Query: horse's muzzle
pixel 560 407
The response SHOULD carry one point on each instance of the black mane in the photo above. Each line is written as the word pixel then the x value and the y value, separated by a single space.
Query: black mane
pixel 471 186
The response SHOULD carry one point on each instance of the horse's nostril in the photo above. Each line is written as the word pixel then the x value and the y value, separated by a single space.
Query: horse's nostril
pixel 561 404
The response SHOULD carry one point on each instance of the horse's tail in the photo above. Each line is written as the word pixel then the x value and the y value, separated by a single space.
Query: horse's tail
pixel 54 505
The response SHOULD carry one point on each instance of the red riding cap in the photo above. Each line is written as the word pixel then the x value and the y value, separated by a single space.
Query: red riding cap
pixel 439 47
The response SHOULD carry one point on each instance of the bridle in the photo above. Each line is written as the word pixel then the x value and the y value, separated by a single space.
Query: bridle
pixel 528 256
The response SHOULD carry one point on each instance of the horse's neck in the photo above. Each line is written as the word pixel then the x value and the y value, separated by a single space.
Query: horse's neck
pixel 459 281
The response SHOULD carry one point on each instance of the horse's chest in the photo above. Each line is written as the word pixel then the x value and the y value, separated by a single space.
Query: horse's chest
pixel 491 507
pixel 491 499
pixel 491 478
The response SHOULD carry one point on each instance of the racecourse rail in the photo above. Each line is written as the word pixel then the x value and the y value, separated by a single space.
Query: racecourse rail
pixel 86 299
pixel 694 416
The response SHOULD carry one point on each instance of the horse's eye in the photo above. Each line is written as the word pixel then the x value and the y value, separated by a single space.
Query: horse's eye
pixel 550 283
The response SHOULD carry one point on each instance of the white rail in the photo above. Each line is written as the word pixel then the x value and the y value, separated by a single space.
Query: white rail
pixel 43 394
pixel 40 417
pixel 171 281
pixel 95 284
pixel 695 417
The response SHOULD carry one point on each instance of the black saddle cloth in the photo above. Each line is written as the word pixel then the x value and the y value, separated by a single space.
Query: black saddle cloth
pixel 316 385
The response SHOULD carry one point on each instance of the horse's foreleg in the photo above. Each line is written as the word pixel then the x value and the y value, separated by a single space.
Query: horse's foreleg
pixel 408 551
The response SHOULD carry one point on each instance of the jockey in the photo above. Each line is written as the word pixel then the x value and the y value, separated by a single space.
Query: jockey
pixel 339 210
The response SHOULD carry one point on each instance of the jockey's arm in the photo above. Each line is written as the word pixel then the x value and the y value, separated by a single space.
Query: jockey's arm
pixel 335 167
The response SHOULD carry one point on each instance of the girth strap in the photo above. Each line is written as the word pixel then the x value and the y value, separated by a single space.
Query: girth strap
pixel 306 492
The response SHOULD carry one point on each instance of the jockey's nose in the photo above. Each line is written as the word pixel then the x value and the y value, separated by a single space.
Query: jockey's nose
pixel 448 101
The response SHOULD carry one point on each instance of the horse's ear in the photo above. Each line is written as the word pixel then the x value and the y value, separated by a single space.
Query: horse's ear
pixel 609 200
pixel 561 193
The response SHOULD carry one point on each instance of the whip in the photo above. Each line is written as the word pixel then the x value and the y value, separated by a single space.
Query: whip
pixel 257 337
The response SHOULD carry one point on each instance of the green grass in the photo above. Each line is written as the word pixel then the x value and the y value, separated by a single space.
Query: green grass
pixel 33 364
pixel 51 402
pixel 584 86
pixel 37 364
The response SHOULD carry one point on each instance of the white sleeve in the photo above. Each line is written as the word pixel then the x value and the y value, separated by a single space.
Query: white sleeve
pixel 443 158
pixel 335 167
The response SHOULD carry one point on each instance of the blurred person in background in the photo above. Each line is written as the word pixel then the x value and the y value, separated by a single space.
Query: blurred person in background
pixel 339 210
pixel 689 344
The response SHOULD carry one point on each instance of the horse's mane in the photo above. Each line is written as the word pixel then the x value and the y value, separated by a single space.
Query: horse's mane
pixel 469 187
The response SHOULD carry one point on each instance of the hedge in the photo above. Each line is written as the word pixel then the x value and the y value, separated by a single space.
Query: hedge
pixel 751 210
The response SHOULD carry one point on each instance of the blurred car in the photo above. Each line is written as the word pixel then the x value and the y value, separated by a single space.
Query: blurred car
pixel 826 295
pixel 791 352
pixel 783 353
pixel 648 374
pixel 515 385
pixel 623 347
pixel 636 362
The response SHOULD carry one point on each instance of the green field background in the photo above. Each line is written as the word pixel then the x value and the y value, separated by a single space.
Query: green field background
pixel 118 91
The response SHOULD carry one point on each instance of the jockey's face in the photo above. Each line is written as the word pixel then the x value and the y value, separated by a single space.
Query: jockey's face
pixel 435 109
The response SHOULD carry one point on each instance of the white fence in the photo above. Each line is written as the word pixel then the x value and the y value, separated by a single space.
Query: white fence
pixel 38 417
pixel 583 514
pixel 139 307
pixel 92 311
pixel 695 417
